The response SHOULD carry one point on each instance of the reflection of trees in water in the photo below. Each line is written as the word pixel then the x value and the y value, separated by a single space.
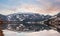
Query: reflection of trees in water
pixel 27 27
pixel 37 27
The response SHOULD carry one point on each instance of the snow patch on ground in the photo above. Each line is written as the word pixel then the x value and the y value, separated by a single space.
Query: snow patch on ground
pixel 40 33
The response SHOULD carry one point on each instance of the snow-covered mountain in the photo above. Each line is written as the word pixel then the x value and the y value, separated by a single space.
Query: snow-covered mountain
pixel 26 17
pixel 42 30
pixel 4 18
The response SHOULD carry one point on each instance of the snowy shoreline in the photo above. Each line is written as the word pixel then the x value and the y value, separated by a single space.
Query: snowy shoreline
pixel 40 33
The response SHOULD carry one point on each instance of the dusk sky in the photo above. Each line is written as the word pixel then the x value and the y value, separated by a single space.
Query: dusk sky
pixel 51 7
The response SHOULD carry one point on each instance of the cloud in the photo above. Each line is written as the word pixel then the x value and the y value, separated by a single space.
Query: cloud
pixel 37 9
pixel 29 8
pixel 51 7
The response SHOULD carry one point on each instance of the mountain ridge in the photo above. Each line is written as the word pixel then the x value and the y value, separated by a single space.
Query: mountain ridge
pixel 25 17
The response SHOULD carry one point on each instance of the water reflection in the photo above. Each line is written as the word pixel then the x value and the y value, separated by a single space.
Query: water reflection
pixel 26 27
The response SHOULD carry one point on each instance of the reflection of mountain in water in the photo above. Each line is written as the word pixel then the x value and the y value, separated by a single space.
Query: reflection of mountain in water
pixel 3 17
pixel 26 17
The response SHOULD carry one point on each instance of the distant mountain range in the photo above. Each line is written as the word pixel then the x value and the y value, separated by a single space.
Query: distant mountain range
pixel 25 17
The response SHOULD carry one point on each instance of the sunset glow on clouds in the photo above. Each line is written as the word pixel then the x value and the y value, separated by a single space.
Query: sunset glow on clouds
pixel 36 6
